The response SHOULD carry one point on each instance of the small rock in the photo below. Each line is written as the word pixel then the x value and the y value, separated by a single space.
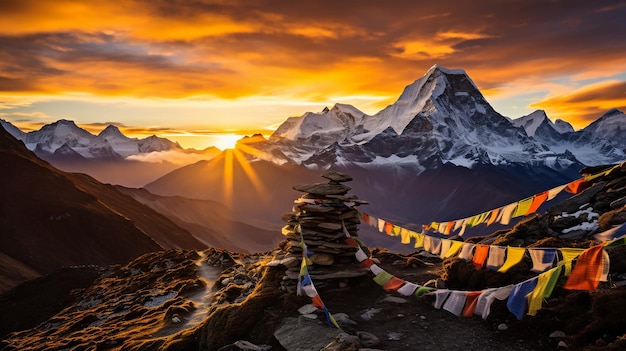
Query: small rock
pixel 400 315
pixel 337 176
pixel 226 281
pixel 343 342
pixel 343 285
pixel 323 259
pixel 423 317
pixel 557 334
pixel 369 314
pixel 394 299
pixel 176 319
pixel 343 319
pixel 562 344
pixel 503 327
pixel 368 339
pixel 322 189
pixel 241 345
pixel 395 336
pixel 310 316
pixel 307 309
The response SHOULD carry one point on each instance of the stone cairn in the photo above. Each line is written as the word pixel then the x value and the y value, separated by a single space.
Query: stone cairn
pixel 319 216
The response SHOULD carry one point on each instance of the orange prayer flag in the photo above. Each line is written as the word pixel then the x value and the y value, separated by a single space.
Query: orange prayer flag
pixel 494 215
pixel 480 255
pixel 576 186
pixel 389 228
pixel 587 272
pixel 449 227
pixel 538 200
pixel 394 284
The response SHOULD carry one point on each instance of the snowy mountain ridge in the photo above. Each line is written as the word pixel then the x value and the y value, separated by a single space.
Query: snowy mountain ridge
pixel 441 118
pixel 532 121
pixel 64 138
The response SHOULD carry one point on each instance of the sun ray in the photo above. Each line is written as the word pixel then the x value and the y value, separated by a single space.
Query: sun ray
pixel 247 169
pixel 228 175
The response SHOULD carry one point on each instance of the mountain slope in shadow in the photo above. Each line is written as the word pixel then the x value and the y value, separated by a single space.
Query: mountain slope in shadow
pixel 51 219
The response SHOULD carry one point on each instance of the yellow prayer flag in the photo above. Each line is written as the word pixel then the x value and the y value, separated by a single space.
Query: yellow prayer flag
pixel 523 206
pixel 513 256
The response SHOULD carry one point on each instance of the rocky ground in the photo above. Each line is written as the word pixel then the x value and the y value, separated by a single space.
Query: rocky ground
pixel 187 300
pixel 214 299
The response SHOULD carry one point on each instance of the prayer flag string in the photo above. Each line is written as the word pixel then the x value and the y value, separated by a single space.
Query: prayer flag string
pixel 592 266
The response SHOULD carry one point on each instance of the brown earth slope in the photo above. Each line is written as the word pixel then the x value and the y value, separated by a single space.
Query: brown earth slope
pixel 51 219
pixel 212 223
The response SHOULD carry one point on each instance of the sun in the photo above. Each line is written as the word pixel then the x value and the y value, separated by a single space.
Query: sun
pixel 225 141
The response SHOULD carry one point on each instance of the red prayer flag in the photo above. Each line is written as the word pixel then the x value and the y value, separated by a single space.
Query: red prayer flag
pixel 317 302
pixel 350 241
pixel 471 300
pixel 366 263
pixel 393 284
pixel 366 218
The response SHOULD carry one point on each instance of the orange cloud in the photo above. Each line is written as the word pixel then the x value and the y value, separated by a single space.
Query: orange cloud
pixel 584 105
pixel 294 53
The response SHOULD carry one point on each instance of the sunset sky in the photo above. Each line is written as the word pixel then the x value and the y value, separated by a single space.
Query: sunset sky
pixel 193 71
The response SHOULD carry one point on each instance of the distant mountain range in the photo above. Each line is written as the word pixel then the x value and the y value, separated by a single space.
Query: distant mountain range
pixel 64 139
pixel 110 156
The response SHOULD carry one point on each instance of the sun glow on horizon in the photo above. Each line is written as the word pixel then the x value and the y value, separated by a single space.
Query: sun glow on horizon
pixel 225 141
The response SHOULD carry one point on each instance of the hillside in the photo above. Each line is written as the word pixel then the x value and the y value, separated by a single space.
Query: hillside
pixel 52 219
pixel 210 222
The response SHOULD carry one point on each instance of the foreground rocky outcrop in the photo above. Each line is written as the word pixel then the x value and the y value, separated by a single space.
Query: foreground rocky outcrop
pixel 217 300
pixel 589 320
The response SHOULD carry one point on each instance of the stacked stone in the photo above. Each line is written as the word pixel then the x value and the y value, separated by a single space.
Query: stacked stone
pixel 319 217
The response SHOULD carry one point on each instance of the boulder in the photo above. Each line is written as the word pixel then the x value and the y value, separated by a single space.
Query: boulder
pixel 304 334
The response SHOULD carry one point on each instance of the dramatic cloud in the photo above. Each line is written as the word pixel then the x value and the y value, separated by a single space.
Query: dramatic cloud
pixel 585 105
pixel 300 52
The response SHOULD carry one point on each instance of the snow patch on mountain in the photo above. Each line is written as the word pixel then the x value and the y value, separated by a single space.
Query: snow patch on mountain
pixel 610 126
pixel 13 130
pixel 563 127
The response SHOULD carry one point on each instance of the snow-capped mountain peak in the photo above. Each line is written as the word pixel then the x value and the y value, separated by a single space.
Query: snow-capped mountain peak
pixel 610 126
pixel 436 94
pixel 13 130
pixel 52 136
pixel 111 131
pixel 533 121
pixel 340 120
pixel 563 127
